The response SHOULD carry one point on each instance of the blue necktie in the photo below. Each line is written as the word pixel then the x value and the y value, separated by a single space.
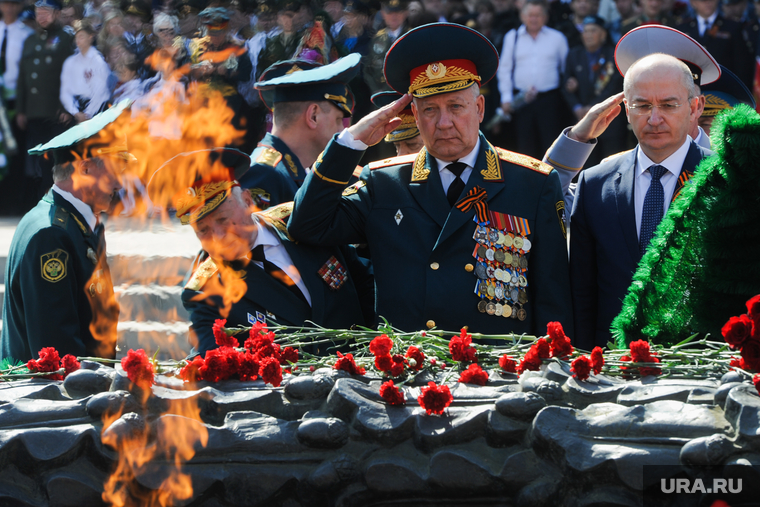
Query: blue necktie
pixel 654 203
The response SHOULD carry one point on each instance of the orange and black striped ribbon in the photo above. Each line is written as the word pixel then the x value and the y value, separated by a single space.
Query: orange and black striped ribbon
pixel 475 197
pixel 683 178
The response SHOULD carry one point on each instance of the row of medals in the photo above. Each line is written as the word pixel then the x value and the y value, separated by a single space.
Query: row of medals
pixel 501 269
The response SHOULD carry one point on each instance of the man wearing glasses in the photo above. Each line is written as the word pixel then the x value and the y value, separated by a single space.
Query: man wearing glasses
pixel 619 203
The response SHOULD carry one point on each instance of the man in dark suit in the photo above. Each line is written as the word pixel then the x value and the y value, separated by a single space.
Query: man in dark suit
pixel 619 203
pixel 722 37
pixel 58 285
pixel 460 234
pixel 249 269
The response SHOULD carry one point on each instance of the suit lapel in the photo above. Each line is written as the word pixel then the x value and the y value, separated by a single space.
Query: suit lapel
pixel 428 192
pixel 306 268
pixel 624 186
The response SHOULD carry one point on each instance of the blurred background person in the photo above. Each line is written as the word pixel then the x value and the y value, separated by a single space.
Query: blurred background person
pixel 84 76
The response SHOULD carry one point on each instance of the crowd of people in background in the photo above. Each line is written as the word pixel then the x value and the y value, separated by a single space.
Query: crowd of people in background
pixel 63 63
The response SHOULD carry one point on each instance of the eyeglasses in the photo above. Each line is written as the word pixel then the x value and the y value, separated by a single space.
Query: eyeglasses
pixel 166 30
pixel 665 108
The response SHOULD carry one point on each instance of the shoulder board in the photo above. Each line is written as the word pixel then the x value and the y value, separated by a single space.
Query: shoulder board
pixel 61 218
pixel 205 271
pixel 524 161
pixel 404 159
pixel 280 212
pixel 268 156
pixel 381 32
pixel 617 155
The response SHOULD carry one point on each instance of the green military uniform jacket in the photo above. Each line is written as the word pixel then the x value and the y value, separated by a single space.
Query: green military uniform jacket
pixel 337 302
pixel 275 175
pixel 39 80
pixel 373 65
pixel 56 280
pixel 424 252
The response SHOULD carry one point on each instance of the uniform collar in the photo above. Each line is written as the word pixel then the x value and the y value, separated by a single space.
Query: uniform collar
pixel 468 159
pixel 264 236
pixel 80 206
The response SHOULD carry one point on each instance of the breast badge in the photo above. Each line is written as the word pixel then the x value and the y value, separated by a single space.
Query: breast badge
pixel 53 265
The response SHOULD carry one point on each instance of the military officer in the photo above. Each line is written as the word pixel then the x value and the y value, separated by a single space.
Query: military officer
pixel 58 285
pixel 461 234
pixel 39 108
pixel 725 93
pixel 249 269
pixel 406 138
pixel 394 13
pixel 309 102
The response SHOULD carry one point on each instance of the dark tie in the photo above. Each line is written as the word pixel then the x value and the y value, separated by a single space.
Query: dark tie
pixel 456 187
pixel 652 212
pixel 257 254
pixel 3 50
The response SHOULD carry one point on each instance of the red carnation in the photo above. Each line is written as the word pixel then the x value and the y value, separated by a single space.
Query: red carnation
pixel 138 367
pixel 581 367
pixel 49 360
pixel 288 355
pixel 70 364
pixel 738 330
pixel 753 308
pixel 434 399
pixel 418 356
pixel 383 363
pixel 220 364
pixel 560 344
pixel 248 366
pixel 348 364
pixel 271 371
pixel 222 338
pixel 381 346
pixel 474 374
pixel 460 348
pixel 756 381
pixel 736 362
pixel 751 355
pixel 597 360
pixel 508 364
pixel 534 357
pixel 397 368
pixel 640 351
pixel 191 372
pixel 262 342
pixel 392 394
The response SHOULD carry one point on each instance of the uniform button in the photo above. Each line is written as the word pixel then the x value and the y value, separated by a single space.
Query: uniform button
pixel 36 61
pixel 48 59
pixel 469 268
pixel 434 266
pixel 430 324
pixel 38 48
pixel 34 75
pixel 34 90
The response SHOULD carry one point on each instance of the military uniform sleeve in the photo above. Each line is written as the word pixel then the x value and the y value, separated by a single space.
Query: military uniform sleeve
pixel 567 157
pixel 548 263
pixel 266 183
pixel 321 215
pixel 583 272
pixel 50 290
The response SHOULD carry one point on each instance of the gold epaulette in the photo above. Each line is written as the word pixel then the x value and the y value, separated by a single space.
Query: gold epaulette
pixel 277 217
pixel 387 162
pixel 524 161
pixel 205 271
pixel 357 172
pixel 268 156
pixel 617 155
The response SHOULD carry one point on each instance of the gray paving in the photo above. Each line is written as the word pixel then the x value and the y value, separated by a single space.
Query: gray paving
pixel 149 259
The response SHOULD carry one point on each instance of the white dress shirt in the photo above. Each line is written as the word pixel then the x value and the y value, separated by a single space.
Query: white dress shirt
pixel 447 177
pixel 705 23
pixel 276 253
pixel 17 32
pixel 673 164
pixel 81 207
pixel 538 62
pixel 86 76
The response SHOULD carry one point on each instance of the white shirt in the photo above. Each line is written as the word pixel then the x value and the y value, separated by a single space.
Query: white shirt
pixel 448 177
pixel 85 76
pixel 538 62
pixel 704 23
pixel 81 207
pixel 673 164
pixel 17 32
pixel 277 255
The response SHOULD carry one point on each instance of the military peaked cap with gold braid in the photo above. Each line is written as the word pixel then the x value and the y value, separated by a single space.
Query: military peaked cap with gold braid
pixel 439 58
pixel 301 80
pixel 725 93
pixel 408 128
pixel 199 181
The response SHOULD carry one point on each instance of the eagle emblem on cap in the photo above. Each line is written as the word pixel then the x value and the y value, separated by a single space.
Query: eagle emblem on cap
pixel 435 71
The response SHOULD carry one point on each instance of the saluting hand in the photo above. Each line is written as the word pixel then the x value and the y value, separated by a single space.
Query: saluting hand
pixel 596 121
pixel 372 128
